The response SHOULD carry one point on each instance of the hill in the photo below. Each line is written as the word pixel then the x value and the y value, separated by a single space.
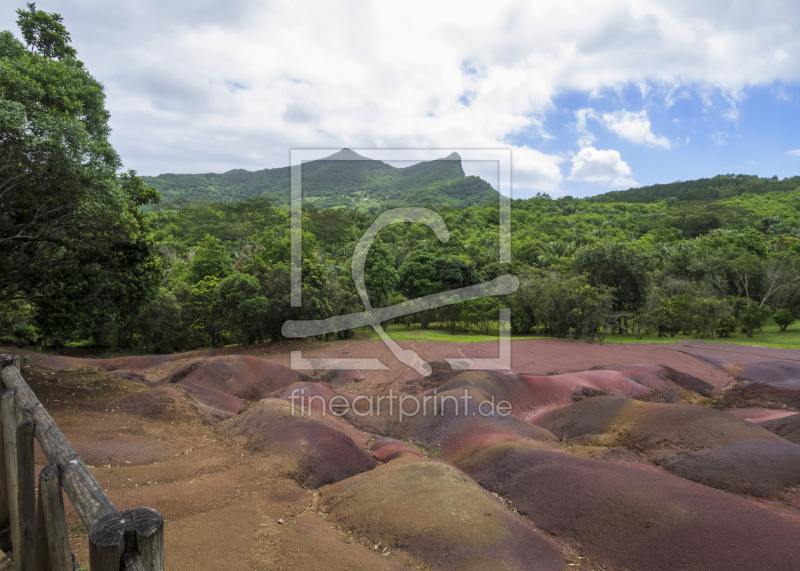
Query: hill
pixel 720 186
pixel 342 179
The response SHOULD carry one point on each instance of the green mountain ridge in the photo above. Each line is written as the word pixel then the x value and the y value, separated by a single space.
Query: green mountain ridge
pixel 342 179
pixel 716 188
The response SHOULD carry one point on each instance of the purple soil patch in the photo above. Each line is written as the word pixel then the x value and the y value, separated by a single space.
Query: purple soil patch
pixel 227 383
pixel 780 374
pixel 439 516
pixel 385 449
pixel 635 519
pixel 787 427
pixel 560 390
pixel 508 387
pixel 531 395
pixel 698 443
pixel 758 468
pixel 448 418
pixel 666 380
pixel 315 451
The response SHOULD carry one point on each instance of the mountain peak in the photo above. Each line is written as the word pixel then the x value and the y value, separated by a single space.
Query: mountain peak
pixel 346 155
pixel 452 157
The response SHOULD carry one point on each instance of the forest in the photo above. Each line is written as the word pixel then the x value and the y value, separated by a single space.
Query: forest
pixel 91 254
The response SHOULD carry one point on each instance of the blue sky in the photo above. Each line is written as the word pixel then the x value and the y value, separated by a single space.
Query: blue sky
pixel 589 95
pixel 696 135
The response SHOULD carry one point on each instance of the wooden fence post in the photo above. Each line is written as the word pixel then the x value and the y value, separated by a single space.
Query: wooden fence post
pixel 26 488
pixel 139 531
pixel 133 539
pixel 52 540
pixel 10 445
pixel 5 521
pixel 86 495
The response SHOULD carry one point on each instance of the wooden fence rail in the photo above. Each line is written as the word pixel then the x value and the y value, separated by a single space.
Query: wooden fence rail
pixel 132 539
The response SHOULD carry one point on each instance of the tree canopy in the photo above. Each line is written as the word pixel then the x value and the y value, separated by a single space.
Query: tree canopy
pixel 70 225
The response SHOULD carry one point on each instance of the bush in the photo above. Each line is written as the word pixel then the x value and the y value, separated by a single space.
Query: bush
pixel 784 318
pixel 754 317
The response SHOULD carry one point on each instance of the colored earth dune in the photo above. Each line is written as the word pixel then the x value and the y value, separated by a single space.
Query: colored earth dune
pixel 639 465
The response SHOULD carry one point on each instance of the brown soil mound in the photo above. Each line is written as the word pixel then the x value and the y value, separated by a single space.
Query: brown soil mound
pixel 635 519
pixel 313 451
pixel 748 394
pixel 133 363
pixel 339 377
pixel 306 393
pixel 227 383
pixel 787 427
pixel 698 443
pixel 649 427
pixel 166 403
pixel 131 376
pixel 439 516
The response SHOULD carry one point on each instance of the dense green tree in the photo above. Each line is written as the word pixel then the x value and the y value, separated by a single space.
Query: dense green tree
pixel 619 266
pixel 784 318
pixel 418 277
pixel 380 275
pixel 72 241
pixel 210 260
pixel 161 323
pixel 242 309
pixel 754 317
pixel 204 313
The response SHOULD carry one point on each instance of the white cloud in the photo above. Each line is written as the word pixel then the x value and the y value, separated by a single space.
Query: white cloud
pixel 585 137
pixel 634 127
pixel 794 153
pixel 212 87
pixel 720 138
pixel 603 167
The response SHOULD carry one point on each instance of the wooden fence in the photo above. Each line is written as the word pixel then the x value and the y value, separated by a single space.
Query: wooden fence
pixel 35 529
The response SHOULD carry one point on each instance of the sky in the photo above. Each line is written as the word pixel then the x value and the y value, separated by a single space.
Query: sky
pixel 589 95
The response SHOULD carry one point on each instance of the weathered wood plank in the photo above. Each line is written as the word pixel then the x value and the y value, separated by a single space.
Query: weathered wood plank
pixel 84 492
pixel 26 488
pixel 10 444
pixel 52 539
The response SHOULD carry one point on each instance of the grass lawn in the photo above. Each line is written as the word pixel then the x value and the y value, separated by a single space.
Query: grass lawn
pixel 768 336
